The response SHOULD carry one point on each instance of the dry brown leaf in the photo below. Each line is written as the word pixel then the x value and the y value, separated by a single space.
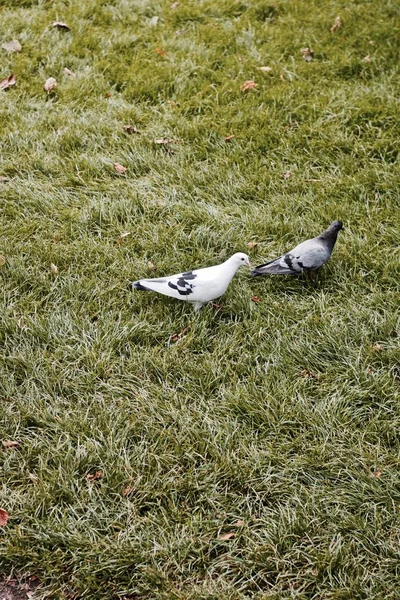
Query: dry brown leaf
pixel 7 82
pixel 376 474
pixel 119 168
pixel 50 85
pixel 307 374
pixel 161 52
pixel 377 347
pixel 252 245
pixel 13 46
pixel 308 54
pixel 4 179
pixel 61 25
pixel 229 138
pixel 265 69
pixel 54 269
pixel 248 85
pixel 337 24
pixel 370 371
pixel 177 336
pixel 226 536
pixel 131 129
pixel 216 306
pixel 255 299
pixel 151 266
pixel 94 476
pixel 239 523
pixel 127 491
pixel 287 174
pixel 3 260
pixel 367 59
pixel 68 72
pixel 21 322
pixel 3 517
pixel 9 444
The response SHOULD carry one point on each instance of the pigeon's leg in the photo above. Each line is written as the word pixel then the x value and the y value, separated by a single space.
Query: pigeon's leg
pixel 198 306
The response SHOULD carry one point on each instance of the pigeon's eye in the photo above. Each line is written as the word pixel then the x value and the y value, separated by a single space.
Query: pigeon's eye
pixel 242 259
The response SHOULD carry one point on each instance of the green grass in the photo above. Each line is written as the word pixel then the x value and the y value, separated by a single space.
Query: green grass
pixel 283 415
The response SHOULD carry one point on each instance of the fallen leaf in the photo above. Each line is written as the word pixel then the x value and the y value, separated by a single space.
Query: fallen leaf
pixel 94 476
pixel 239 523
pixel 161 52
pixel 127 491
pixel 54 269
pixel 13 46
pixel 367 59
pixel 229 138
pixel 337 24
pixel 174 5
pixel 2 260
pixel 287 174
pixel 7 82
pixel 265 69
pixel 308 54
pixel 21 322
pixel 166 141
pixel 153 21
pixel 131 129
pixel 252 245
pixel 119 168
pixel 4 179
pixel 216 306
pixel 371 43
pixel 248 85
pixel 226 536
pixel 50 84
pixel 177 336
pixel 370 371
pixel 3 517
pixel 151 266
pixel 377 347
pixel 7 444
pixel 68 72
pixel 255 299
pixel 376 474
pixel 307 373
pixel 61 25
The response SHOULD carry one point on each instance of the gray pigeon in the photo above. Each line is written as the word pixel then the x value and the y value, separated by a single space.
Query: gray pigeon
pixel 307 256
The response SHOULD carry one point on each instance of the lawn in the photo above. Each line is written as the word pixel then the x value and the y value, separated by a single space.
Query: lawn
pixel 249 451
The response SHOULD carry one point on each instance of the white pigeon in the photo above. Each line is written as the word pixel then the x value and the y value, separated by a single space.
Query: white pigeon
pixel 307 256
pixel 197 287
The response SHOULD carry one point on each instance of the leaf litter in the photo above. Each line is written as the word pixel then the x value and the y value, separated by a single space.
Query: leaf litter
pixel 8 82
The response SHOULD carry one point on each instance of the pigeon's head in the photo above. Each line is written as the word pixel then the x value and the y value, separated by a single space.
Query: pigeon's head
pixel 336 226
pixel 240 259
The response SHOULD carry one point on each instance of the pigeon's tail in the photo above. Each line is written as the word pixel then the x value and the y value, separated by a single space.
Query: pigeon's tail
pixel 274 267
pixel 138 286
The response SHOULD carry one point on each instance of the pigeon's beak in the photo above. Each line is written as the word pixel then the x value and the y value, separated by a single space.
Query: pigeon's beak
pixel 248 263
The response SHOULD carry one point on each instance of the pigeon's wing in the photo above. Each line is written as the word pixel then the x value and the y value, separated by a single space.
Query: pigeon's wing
pixel 181 286
pixel 308 255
